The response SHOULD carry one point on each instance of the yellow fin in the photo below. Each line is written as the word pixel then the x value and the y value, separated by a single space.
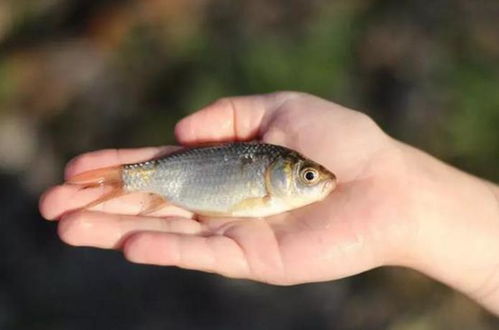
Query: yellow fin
pixel 250 204
pixel 110 176
pixel 97 177
pixel 154 203
pixel 114 193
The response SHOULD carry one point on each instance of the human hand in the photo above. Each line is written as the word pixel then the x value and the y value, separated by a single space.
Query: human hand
pixel 348 233
pixel 374 217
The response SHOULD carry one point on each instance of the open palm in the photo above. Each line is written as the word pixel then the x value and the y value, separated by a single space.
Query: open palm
pixel 361 225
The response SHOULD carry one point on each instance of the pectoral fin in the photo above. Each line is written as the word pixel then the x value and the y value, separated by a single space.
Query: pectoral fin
pixel 248 205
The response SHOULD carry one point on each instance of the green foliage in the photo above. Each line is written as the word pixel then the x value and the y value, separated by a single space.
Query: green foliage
pixel 473 123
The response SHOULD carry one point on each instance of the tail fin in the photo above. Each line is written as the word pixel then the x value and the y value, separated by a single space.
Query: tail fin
pixel 110 176
pixel 100 176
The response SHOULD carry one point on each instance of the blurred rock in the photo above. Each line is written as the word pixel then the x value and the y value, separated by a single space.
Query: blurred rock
pixel 18 142
pixel 5 19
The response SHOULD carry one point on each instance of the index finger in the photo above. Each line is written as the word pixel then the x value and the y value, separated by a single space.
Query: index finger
pixel 112 157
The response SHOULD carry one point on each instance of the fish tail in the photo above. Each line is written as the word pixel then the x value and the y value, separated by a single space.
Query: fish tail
pixel 98 177
pixel 110 176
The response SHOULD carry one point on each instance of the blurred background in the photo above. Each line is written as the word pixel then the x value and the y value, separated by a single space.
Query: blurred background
pixel 79 75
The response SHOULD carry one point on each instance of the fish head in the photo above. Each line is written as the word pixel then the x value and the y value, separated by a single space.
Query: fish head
pixel 298 181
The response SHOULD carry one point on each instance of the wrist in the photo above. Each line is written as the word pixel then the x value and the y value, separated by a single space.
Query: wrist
pixel 457 221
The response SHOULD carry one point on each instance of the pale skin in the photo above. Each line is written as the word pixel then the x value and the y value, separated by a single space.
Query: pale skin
pixel 394 205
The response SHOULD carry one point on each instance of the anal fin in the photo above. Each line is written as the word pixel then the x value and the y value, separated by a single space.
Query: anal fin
pixel 154 203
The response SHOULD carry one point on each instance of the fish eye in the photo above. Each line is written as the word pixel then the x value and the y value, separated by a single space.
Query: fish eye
pixel 309 175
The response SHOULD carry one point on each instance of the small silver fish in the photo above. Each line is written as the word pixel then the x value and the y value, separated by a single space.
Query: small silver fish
pixel 243 179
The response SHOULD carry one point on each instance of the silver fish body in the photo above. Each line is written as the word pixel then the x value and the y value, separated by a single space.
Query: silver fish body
pixel 236 179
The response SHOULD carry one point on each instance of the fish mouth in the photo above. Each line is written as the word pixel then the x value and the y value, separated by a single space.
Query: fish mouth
pixel 328 186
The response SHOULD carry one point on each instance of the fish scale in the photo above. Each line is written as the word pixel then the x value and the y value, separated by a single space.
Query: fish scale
pixel 209 178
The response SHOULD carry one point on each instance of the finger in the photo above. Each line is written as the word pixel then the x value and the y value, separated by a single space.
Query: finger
pixel 105 230
pixel 113 157
pixel 228 119
pixel 67 198
pixel 216 253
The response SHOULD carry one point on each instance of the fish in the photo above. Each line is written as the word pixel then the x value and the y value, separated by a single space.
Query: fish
pixel 238 179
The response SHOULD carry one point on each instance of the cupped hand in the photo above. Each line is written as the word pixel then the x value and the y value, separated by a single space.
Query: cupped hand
pixel 364 223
